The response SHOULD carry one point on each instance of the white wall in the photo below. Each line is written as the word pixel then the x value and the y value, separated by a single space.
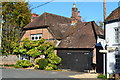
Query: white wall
pixel 110 38
pixel 110 33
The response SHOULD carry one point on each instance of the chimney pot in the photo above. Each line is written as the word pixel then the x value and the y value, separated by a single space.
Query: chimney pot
pixel 75 14
pixel 74 5
pixel 34 16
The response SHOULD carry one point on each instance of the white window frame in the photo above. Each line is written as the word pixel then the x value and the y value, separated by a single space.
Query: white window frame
pixel 35 36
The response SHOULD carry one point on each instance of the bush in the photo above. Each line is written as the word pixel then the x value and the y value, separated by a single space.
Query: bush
pixel 42 63
pixel 9 65
pixel 23 64
pixel 102 76
pixel 36 66
pixel 36 60
pixel 34 52
pixel 17 66
pixel 51 67
pixel 35 49
pixel 54 60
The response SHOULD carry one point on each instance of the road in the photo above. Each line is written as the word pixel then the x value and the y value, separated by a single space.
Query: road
pixel 23 73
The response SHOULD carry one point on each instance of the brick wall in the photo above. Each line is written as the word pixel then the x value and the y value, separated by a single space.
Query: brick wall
pixel 45 33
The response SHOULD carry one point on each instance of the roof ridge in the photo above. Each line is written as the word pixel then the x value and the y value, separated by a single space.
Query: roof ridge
pixel 56 15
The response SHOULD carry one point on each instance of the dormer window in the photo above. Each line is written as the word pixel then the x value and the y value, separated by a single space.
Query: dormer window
pixel 36 36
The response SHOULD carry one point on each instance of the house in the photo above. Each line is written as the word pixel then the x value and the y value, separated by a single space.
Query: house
pixel 112 37
pixel 75 40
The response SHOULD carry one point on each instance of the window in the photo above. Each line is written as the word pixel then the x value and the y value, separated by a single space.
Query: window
pixel 117 35
pixel 36 36
pixel 117 59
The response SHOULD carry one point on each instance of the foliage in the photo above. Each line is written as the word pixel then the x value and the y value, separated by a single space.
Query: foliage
pixel 9 65
pixel 36 60
pixel 102 76
pixel 34 52
pixel 54 59
pixel 37 48
pixel 20 50
pixel 51 67
pixel 42 63
pixel 15 16
pixel 36 66
pixel 23 64
pixel 100 23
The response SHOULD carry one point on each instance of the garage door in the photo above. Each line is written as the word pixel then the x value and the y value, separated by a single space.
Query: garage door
pixel 77 61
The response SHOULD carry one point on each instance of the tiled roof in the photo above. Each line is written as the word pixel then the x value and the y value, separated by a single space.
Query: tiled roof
pixel 114 15
pixel 84 36
pixel 80 35
pixel 57 24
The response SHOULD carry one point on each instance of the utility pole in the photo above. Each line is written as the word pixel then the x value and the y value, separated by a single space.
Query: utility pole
pixel 104 6
pixel 104 14
pixel 104 55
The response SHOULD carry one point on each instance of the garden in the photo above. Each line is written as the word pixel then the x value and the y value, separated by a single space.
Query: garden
pixel 41 53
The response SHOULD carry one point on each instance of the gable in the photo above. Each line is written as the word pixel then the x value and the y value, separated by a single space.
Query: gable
pixel 55 23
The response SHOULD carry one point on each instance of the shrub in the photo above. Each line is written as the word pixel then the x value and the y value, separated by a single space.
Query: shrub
pixel 102 76
pixel 17 66
pixel 34 52
pixel 23 64
pixel 36 48
pixel 54 60
pixel 42 63
pixel 36 66
pixel 51 67
pixel 9 65
pixel 36 60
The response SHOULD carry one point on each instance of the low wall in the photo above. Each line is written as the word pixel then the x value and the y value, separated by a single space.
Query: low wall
pixel 10 59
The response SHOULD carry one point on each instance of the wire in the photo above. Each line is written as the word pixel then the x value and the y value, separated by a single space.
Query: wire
pixel 43 4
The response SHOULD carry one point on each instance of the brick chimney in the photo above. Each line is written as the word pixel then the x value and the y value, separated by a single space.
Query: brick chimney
pixel 34 16
pixel 75 14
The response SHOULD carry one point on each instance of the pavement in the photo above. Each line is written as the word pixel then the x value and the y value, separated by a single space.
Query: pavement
pixel 85 75
pixel 29 73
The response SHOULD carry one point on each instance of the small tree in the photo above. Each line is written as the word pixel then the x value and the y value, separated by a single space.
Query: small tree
pixel 15 16
pixel 40 47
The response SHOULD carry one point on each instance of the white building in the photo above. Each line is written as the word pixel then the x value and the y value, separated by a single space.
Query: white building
pixel 112 38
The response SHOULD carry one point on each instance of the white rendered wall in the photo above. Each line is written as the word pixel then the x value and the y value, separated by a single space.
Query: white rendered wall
pixel 110 33
pixel 110 39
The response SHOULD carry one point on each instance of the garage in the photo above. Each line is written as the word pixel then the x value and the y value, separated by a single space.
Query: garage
pixel 75 60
